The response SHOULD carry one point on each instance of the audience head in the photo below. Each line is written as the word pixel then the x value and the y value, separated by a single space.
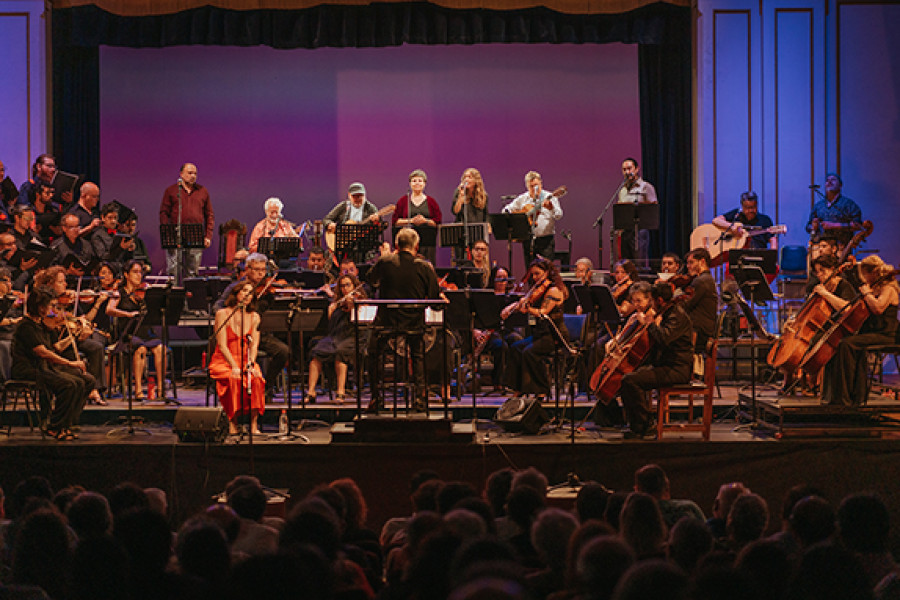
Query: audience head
pixel 451 493
pixel 523 504
pixel 30 487
pixel 357 512
pixel 601 564
pixel 728 493
pixel 654 579
pixel 652 480
pixel 89 515
pixel 829 572
pixel 550 534
pixel 642 525
pixel 127 496
pixel 768 564
pixel 465 524
pixel 248 501
pixel 812 521
pixel 613 512
pixel 202 551
pixel 496 490
pixel 689 541
pixel 747 520
pixel 591 501
pixel 863 523
pixel 42 552
pixel 532 478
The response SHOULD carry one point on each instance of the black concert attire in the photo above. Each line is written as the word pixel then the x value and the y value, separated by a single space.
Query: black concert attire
pixel 81 248
pixel 276 350
pixel 428 209
pixel 401 276
pixel 845 380
pixel 45 219
pixel 843 290
pixel 670 361
pixel 70 386
pixel 340 341
pixel 85 216
pixel 472 215
pixel 22 239
pixel 760 221
pixel 6 337
pixel 701 307
pixel 841 210
pixel 144 337
pixel 102 241
pixel 139 253
pixel 526 371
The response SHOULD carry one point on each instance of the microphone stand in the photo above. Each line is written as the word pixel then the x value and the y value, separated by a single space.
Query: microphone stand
pixel 289 435
pixel 179 251
pixel 599 221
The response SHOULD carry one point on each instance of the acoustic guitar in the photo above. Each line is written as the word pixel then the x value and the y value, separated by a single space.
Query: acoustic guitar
pixel 529 208
pixel 718 241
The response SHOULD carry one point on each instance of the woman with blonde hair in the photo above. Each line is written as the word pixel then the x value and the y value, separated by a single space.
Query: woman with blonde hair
pixel 419 211
pixel 470 204
pixel 845 377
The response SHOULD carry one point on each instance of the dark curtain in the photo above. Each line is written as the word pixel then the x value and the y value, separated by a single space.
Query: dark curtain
pixel 661 30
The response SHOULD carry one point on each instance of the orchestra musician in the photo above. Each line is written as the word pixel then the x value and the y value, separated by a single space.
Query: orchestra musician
pixel 670 265
pixel 356 208
pixel 129 227
pixel 634 190
pixel 104 237
pixel 481 260
pixel 130 305
pixel 86 210
pixel 416 209
pixel 23 223
pixel 625 274
pixel 273 225
pixel 526 372
pixel 188 201
pixel 37 358
pixel 339 345
pixel 835 214
pixel 470 205
pixel 7 249
pixel 670 358
pixel 497 343
pixel 703 302
pixel 845 377
pixel 748 217
pixel 46 213
pixel 43 170
pixel 72 244
pixel 234 360
pixel 401 275
pixel 584 275
pixel 546 212
pixel 277 351
pixel 90 345
pixel 8 323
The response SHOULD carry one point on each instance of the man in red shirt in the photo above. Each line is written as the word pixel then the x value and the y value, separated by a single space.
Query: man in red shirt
pixel 190 201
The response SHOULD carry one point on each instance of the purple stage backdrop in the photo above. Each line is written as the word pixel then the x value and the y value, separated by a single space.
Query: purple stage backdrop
pixel 303 124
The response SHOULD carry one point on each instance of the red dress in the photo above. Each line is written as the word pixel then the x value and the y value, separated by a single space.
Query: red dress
pixel 229 388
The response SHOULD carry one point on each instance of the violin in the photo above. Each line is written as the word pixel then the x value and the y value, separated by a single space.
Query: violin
pixel 534 295
pixel 447 286
pixel 264 286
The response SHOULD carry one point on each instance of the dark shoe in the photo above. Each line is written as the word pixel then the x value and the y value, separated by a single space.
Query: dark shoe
pixel 375 404
pixel 420 405
pixel 644 434
pixel 309 398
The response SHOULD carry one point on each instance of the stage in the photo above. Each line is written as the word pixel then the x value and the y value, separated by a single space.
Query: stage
pixel 192 473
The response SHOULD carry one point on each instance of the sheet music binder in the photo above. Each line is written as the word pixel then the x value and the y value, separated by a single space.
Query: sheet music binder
pixel 451 235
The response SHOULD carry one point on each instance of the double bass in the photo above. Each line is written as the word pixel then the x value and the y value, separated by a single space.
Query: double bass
pixel 787 354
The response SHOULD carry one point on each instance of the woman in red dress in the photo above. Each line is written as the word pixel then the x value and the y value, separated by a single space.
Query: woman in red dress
pixel 237 342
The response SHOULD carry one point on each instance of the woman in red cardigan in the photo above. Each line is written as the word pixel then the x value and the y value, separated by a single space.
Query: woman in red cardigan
pixel 420 212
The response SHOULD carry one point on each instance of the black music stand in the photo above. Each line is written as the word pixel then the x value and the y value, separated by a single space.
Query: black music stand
pixel 636 216
pixel 181 236
pixel 123 348
pixel 427 234
pixel 164 305
pixel 280 248
pixel 512 227
pixel 308 316
pixel 453 235
pixel 751 279
pixel 467 309
pixel 357 240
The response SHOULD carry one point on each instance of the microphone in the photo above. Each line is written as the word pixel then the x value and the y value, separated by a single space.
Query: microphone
pixel 272 264
pixel 814 186
pixel 180 181
pixel 509 197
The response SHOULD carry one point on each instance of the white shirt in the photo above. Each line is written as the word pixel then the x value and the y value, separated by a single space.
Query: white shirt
pixel 545 221
pixel 353 213
pixel 641 191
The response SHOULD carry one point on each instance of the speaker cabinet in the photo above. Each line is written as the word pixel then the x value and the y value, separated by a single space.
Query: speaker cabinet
pixel 201 424
pixel 521 415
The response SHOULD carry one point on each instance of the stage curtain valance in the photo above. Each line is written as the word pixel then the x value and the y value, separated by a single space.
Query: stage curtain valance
pixel 144 8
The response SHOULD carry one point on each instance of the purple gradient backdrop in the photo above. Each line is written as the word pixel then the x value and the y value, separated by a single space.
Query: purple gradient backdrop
pixel 303 124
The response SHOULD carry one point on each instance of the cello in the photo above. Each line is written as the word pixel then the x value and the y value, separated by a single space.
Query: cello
pixel 801 331
pixel 630 349
pixel 845 322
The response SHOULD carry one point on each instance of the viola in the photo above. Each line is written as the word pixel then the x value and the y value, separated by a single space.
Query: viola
pixel 447 286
